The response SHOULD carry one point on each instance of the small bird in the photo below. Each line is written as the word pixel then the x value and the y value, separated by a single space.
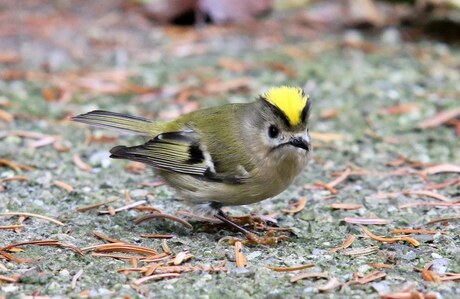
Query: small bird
pixel 231 155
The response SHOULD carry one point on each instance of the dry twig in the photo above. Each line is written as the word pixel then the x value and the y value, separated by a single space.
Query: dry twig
pixel 346 206
pixel 347 243
pixel 80 164
pixel 390 240
pixel 96 205
pixel 126 207
pixel 289 269
pixel 361 251
pixel 76 277
pixel 63 185
pixel 299 206
pixel 365 221
pixel 32 215
pixel 309 275
pixel 240 258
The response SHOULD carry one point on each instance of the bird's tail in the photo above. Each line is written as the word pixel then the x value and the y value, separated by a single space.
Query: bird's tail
pixel 118 121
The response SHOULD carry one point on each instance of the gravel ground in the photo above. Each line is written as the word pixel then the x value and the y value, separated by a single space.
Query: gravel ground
pixel 371 97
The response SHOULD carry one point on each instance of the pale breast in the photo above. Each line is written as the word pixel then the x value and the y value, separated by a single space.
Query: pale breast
pixel 263 183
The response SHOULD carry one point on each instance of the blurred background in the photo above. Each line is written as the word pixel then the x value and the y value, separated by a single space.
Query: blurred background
pixel 160 58
pixel 190 50
pixel 383 77
pixel 59 44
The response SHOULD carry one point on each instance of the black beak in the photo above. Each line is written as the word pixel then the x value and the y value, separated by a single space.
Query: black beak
pixel 301 143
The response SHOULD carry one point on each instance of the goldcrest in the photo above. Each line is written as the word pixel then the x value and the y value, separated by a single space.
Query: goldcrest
pixel 235 154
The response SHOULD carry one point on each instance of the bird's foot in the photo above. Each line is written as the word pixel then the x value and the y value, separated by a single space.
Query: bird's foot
pixel 260 223
pixel 251 238
pixel 269 239
pixel 250 220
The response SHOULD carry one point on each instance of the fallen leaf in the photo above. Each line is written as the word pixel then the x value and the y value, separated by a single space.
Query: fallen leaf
pixel 223 11
pixel 441 168
pixel 408 295
pixel 417 231
pixel 390 240
pixel 19 178
pixel 362 12
pixel 379 265
pixel 135 167
pixel 12 279
pixel 96 205
pixel 327 137
pixel 346 206
pixel 125 207
pixel 43 142
pixel 440 118
pixel 32 215
pixel 293 268
pixel 331 284
pixel 347 243
pixel 431 276
pixel 226 86
pixel 401 108
pixel 283 68
pixel 329 113
pixel 360 251
pixel 240 258
pixel 51 94
pixel 75 278
pixel 6 116
pixel 179 257
pixel 299 206
pixel 309 275
pixel 369 277
pixel 428 194
pixel 63 185
pixel 342 177
pixel 9 57
pixel 233 65
pixel 365 221
pixel 430 204
pixel 442 185
pixel 14 165
pixel 80 164
pixel 156 277
pixel 444 219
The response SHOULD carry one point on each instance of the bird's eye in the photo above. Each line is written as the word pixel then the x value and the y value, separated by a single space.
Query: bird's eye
pixel 273 131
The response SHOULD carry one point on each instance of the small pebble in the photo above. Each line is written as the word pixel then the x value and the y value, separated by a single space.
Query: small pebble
pixel 436 256
pixel 101 158
pixel 9 288
pixel 409 256
pixel 363 268
pixel 381 287
pixel 440 265
pixel 253 255
pixel 242 272
pixel 391 36
pixel 138 193
pixel 64 273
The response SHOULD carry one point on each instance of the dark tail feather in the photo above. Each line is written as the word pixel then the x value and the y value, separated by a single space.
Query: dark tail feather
pixel 129 153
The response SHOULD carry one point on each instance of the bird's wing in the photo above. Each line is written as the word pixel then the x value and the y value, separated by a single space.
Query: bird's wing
pixel 179 152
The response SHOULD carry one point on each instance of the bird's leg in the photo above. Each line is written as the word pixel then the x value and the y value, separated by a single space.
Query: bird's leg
pixel 225 219
pixel 255 221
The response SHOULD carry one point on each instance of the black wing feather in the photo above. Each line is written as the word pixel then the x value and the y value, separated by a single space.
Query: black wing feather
pixel 177 152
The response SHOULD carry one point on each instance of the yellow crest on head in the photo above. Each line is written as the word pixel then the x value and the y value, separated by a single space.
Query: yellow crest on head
pixel 289 100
